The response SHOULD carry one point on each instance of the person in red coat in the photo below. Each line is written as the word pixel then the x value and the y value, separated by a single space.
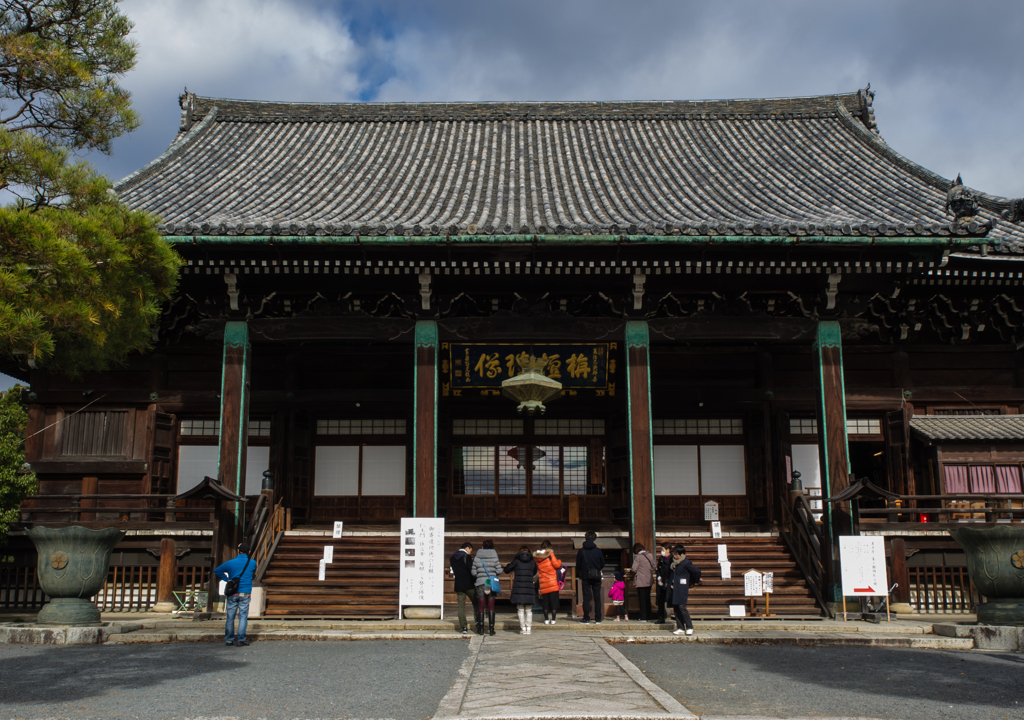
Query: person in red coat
pixel 547 573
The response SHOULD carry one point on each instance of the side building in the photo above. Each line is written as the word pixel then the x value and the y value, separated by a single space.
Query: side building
pixel 730 293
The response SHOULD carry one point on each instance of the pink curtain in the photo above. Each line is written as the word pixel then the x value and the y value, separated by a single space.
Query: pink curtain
pixel 983 480
pixel 1007 479
pixel 956 478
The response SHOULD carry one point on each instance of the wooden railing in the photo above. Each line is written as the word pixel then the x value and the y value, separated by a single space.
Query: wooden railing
pixel 266 538
pixel 803 537
pixel 86 508
pixel 986 507
pixel 128 587
pixel 941 589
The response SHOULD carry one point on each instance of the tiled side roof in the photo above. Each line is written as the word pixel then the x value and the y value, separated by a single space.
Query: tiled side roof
pixel 968 427
pixel 787 167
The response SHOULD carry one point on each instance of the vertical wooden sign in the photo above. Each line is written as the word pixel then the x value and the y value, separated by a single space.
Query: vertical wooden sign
pixel 641 459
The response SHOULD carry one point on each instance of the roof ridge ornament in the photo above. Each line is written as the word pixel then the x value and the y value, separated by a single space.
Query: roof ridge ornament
pixel 960 200
pixel 187 103
pixel 867 97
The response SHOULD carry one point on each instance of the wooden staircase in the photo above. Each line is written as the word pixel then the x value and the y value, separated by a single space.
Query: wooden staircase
pixel 362 582
pixel 792 596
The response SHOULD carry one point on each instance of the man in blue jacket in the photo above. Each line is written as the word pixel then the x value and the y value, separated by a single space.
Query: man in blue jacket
pixel 243 568
pixel 589 569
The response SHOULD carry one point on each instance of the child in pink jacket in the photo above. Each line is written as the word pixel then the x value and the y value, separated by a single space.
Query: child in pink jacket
pixel 618 595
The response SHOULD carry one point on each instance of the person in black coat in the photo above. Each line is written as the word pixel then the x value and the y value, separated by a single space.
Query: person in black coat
pixel 522 569
pixel 664 582
pixel 461 564
pixel 684 576
pixel 589 569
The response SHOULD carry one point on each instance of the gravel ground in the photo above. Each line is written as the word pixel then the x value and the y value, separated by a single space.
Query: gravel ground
pixel 791 681
pixel 403 679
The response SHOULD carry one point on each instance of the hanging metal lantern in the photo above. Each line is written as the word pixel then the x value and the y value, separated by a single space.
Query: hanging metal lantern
pixel 531 387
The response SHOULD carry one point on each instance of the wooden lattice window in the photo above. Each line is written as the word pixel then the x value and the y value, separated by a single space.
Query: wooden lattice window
pixel 102 433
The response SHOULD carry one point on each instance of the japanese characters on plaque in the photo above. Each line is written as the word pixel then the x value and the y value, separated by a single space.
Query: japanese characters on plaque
pixel 421 576
pixel 862 563
pixel 481 367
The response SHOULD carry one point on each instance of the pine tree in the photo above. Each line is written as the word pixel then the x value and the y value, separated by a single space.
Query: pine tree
pixel 82 277
pixel 16 482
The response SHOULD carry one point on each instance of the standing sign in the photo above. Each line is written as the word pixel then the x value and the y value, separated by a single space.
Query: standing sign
pixel 726 567
pixel 863 565
pixel 769 582
pixel 328 553
pixel 753 584
pixel 323 570
pixel 337 529
pixel 421 578
pixel 716 529
pixel 710 510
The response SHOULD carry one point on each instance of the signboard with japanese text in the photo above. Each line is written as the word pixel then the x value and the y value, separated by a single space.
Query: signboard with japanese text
pixel 421 573
pixel 716 529
pixel 769 582
pixel 481 367
pixel 338 524
pixel 753 584
pixel 863 565
pixel 710 510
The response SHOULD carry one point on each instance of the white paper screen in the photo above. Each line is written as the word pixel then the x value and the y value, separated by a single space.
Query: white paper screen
pixel 722 470
pixel 805 462
pixel 257 459
pixel 675 470
pixel 384 470
pixel 337 470
pixel 194 463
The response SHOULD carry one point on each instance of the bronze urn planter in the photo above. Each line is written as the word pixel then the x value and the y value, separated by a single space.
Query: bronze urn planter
pixel 72 567
pixel 995 561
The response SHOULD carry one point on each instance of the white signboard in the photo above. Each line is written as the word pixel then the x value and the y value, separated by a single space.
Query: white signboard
pixel 421 576
pixel 723 553
pixel 323 569
pixel 769 582
pixel 863 565
pixel 710 510
pixel 337 529
pixel 716 529
pixel 753 584
pixel 726 569
pixel 737 611
pixel 328 553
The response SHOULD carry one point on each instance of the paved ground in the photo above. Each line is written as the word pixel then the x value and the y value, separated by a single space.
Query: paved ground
pixel 836 681
pixel 404 680
pixel 508 675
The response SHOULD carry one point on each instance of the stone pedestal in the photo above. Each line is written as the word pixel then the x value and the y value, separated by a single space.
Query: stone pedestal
pixel 431 612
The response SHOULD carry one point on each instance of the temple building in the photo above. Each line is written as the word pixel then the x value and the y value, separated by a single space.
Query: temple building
pixel 748 304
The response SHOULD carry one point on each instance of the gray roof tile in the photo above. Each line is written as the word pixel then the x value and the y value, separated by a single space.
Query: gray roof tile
pixel 789 166
pixel 968 427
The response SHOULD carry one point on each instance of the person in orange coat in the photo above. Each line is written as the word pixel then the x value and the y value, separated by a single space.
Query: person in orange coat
pixel 547 573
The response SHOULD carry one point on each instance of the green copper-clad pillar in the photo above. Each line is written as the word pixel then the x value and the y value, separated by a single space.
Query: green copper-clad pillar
pixel 424 433
pixel 833 449
pixel 234 431
pixel 641 453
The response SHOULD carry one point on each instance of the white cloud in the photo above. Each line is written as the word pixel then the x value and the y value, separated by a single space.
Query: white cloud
pixel 252 49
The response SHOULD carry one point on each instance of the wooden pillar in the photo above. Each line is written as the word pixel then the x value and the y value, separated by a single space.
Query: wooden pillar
pixel 832 445
pixel 424 434
pixel 90 486
pixel 641 455
pixel 166 577
pixel 900 601
pixel 234 432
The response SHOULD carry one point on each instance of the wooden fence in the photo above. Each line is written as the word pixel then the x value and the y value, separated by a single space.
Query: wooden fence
pixel 940 589
pixel 128 587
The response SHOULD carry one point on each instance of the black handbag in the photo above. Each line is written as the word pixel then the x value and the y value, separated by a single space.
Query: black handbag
pixel 231 588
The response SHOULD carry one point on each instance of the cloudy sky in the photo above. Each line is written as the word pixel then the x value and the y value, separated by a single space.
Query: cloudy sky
pixel 949 75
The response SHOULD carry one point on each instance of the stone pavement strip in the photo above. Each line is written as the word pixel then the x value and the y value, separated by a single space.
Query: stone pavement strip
pixel 553 676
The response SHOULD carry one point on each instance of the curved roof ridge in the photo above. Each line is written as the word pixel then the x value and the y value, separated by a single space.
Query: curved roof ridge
pixel 177 146
pixel 994 203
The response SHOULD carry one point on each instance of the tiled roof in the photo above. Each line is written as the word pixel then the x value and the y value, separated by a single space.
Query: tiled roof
pixel 968 427
pixel 786 167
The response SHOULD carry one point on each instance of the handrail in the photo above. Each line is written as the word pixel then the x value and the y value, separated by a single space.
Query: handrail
pixel 801 535
pixel 992 505
pixel 258 521
pixel 264 545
